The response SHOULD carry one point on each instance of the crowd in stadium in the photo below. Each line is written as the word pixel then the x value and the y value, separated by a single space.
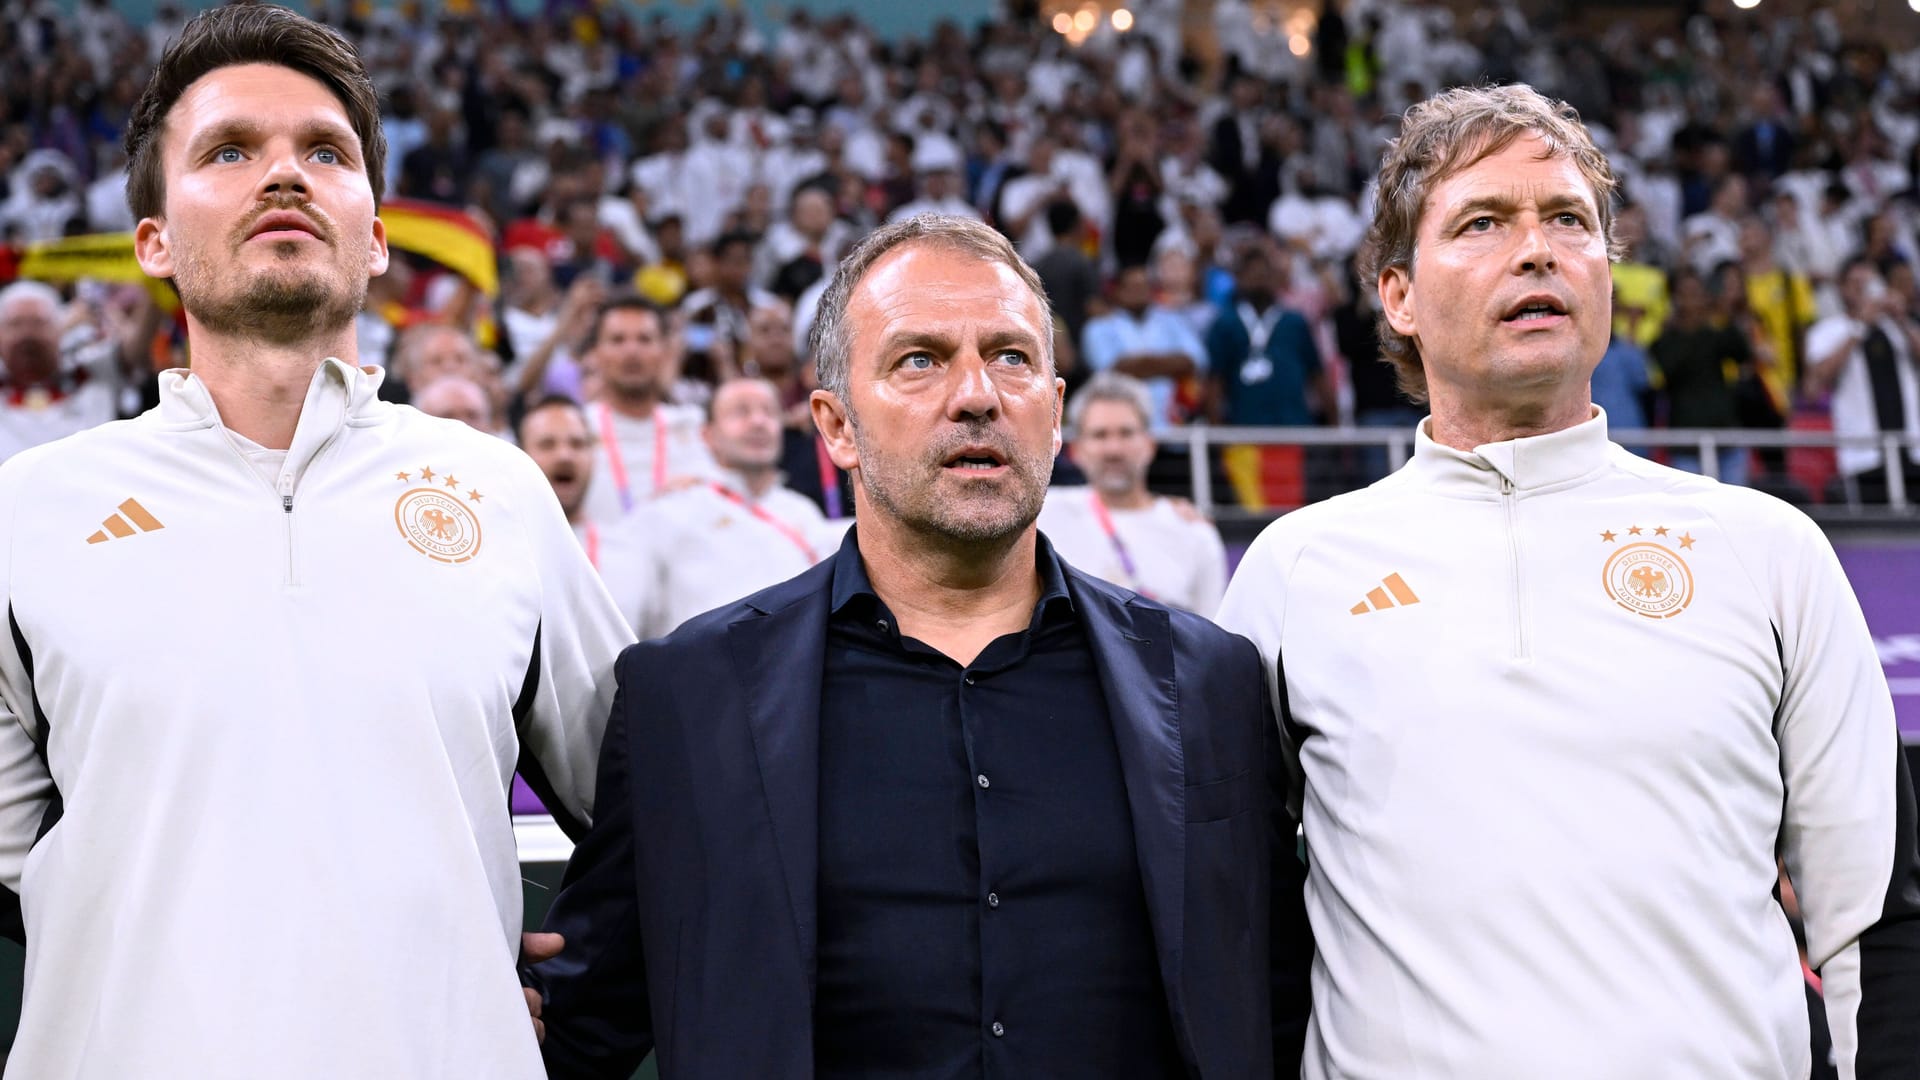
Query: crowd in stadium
pixel 1195 223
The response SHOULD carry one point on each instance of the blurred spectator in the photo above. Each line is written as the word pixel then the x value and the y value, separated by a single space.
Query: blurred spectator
pixel 456 397
pixel 58 378
pixel 717 317
pixel 44 201
pixel 1182 285
pixel 937 164
pixel 1713 235
pixel 641 441
pixel 804 248
pixel 1052 175
pixel 1870 359
pixel 713 542
pixel 1639 284
pixel 1263 356
pixel 1071 278
pixel 1621 385
pixel 1698 363
pixel 1148 342
pixel 438 168
pixel 553 431
pixel 1114 528
pixel 1377 399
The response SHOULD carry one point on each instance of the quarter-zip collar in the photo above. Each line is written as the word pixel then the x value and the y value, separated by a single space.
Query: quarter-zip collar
pixel 1530 464
pixel 340 394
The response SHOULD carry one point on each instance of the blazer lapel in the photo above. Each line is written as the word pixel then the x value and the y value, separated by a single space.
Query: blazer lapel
pixel 1133 650
pixel 779 656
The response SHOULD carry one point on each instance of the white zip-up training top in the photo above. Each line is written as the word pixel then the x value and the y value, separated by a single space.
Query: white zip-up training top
pixel 268 732
pixel 1557 708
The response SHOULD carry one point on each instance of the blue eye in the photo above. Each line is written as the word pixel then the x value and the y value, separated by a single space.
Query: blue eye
pixel 917 361
pixel 1477 224
pixel 327 156
pixel 1013 357
pixel 227 154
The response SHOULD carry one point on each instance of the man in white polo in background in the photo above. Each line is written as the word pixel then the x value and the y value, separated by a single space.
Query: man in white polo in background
pixel 553 432
pixel 641 441
pixel 712 542
pixel 1559 708
pixel 1114 528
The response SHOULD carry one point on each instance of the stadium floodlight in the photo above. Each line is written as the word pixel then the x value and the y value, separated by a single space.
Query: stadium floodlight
pixel 1749 5
pixel 1123 19
pixel 1062 23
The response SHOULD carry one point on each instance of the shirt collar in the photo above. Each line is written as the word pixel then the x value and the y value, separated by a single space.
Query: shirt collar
pixel 1526 464
pixel 850 581
pixel 338 392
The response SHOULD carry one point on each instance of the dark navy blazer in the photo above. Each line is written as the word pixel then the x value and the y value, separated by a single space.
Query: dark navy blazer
pixel 689 907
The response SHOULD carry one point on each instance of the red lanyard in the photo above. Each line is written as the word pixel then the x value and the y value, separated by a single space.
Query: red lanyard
pixel 784 529
pixel 617 462
pixel 593 544
pixel 1105 520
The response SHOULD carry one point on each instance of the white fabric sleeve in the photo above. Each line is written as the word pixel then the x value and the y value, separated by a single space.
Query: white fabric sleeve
pixel 26 786
pixel 563 708
pixel 1848 828
pixel 1255 607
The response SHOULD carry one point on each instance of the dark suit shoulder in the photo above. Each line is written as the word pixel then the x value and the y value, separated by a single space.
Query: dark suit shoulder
pixel 695 638
pixel 1191 633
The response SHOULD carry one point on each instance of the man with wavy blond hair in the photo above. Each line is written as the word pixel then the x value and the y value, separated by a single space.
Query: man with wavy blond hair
pixel 1556 707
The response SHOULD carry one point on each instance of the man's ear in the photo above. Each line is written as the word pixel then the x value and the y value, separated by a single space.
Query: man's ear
pixel 152 248
pixel 1396 299
pixel 377 256
pixel 836 428
pixel 1059 413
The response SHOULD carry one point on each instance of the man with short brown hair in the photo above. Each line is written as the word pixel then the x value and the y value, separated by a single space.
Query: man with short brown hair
pixel 1557 707
pixel 276 646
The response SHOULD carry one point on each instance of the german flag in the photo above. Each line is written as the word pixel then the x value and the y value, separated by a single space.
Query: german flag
pixel 445 234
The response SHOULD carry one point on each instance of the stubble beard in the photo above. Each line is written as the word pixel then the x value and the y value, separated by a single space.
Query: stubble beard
pixel 281 306
pixel 978 522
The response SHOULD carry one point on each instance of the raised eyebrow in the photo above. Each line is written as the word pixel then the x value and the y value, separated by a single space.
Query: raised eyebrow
pixel 898 342
pixel 1011 339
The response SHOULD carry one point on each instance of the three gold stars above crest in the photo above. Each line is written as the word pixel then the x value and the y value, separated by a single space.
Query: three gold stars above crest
pixel 427 476
pixel 1687 540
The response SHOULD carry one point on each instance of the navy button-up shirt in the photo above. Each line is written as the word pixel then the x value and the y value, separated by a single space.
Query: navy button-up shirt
pixel 980 903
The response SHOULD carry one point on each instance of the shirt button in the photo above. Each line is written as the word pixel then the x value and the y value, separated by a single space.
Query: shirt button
pixel 993 899
pixel 982 780
pixel 882 624
pixel 969 680
pixel 998 1029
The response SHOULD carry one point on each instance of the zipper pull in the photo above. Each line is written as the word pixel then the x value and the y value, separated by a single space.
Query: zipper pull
pixel 286 503
pixel 286 493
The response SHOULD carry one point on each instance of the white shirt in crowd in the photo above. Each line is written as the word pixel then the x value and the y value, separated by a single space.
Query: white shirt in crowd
pixel 1159 552
pixel 710 544
pixel 1852 403
pixel 633 458
pixel 617 551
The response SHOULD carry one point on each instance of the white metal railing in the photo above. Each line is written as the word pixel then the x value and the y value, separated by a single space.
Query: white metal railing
pixel 1893 447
